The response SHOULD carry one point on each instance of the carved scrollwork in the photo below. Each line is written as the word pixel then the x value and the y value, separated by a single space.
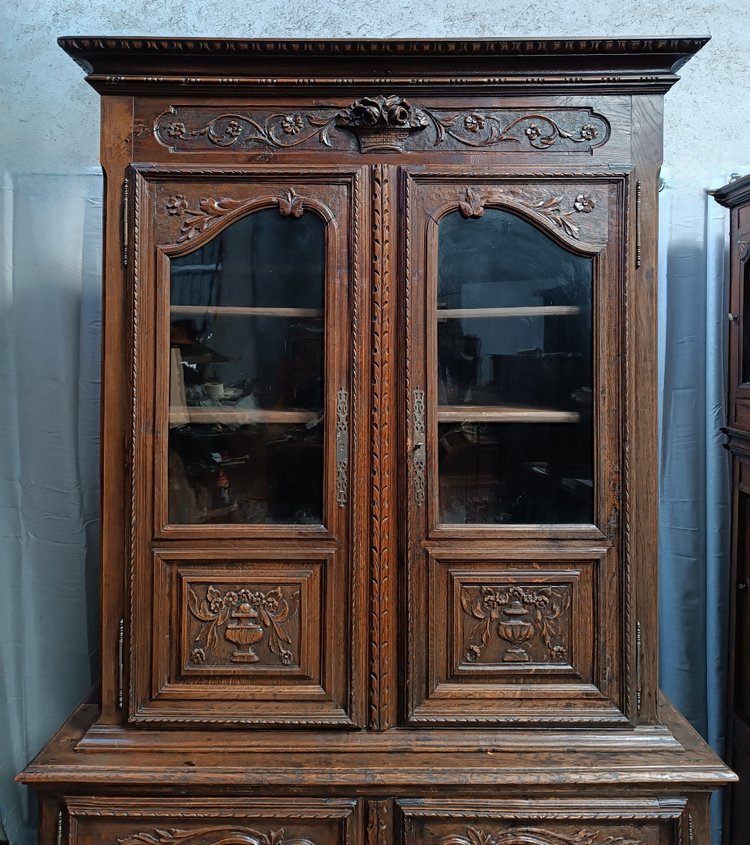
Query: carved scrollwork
pixel 225 834
pixel 517 614
pixel 386 123
pixel 537 836
pixel 247 615
pixel 551 208
pixel 198 220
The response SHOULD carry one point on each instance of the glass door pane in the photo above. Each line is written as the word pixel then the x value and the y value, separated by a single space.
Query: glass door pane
pixel 514 374
pixel 246 403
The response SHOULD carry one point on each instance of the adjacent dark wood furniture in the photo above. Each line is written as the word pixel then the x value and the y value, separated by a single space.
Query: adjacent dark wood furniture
pixel 736 197
pixel 379 451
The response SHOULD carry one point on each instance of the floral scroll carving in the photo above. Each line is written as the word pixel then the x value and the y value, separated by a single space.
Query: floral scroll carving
pixel 226 834
pixel 538 836
pixel 247 617
pixel 554 209
pixel 518 615
pixel 384 123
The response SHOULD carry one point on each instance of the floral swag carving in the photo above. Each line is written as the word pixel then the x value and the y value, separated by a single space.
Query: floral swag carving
pixel 518 615
pixel 246 616
pixel 383 123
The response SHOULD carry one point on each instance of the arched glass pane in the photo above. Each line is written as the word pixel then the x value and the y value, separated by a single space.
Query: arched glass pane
pixel 515 375
pixel 247 374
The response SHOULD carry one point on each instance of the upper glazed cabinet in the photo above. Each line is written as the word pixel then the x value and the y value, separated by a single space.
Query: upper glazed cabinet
pixel 382 356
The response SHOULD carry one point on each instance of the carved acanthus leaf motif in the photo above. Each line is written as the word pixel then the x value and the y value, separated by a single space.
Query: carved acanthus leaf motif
pixel 291 204
pixel 516 614
pixel 245 614
pixel 198 220
pixel 539 836
pixel 473 205
pixel 225 834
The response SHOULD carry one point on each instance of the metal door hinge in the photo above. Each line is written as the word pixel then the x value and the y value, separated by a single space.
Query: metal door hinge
pixel 638 692
pixel 59 827
pixel 342 447
pixel 125 211
pixel 418 446
pixel 121 664
pixel 637 224
pixel 691 827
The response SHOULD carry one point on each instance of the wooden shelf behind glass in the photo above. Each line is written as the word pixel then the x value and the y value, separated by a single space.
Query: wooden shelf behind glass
pixel 504 413
pixel 514 311
pixel 239 416
pixel 241 311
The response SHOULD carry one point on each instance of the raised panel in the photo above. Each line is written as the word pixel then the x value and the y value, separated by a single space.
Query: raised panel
pixel 247 638
pixel 517 638
pixel 543 821
pixel 282 821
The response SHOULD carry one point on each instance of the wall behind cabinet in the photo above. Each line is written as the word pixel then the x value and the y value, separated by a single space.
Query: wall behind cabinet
pixel 50 301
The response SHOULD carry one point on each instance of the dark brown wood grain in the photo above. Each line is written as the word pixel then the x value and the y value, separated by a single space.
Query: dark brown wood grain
pixel 376 698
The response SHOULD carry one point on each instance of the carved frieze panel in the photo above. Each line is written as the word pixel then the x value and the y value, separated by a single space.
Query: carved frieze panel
pixel 538 836
pixel 380 123
pixel 212 835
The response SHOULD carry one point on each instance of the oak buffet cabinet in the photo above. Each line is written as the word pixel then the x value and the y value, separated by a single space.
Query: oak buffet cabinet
pixel 379 451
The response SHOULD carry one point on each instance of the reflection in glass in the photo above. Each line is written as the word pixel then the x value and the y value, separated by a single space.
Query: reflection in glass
pixel 246 374
pixel 515 376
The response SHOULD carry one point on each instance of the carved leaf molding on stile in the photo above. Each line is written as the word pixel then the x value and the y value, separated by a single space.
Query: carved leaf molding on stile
pixel 537 836
pixel 224 834
pixel 246 616
pixel 387 123
pixel 209 211
pixel 517 614
pixel 556 208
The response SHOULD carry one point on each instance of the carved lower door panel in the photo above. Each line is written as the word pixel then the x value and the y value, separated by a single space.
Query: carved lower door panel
pixel 107 821
pixel 547 822
pixel 514 445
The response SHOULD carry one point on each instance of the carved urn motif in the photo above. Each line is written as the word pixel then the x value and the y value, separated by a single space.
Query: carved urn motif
pixel 244 630
pixel 516 630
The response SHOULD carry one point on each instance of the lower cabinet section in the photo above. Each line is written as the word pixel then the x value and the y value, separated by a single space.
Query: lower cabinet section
pixel 139 821
pixel 378 821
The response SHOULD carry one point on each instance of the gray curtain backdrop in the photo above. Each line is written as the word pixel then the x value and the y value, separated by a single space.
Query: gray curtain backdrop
pixel 50 229
pixel 694 506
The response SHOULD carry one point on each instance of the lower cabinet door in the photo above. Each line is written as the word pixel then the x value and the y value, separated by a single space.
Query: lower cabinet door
pixel 546 822
pixel 166 821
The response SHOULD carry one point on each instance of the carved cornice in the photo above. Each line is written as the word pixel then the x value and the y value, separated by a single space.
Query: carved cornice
pixel 133 64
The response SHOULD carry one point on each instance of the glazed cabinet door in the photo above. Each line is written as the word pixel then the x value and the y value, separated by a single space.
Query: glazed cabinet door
pixel 514 296
pixel 247 462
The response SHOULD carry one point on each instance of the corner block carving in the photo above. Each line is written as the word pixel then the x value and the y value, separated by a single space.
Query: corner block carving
pixel 247 616
pixel 225 834
pixel 532 621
